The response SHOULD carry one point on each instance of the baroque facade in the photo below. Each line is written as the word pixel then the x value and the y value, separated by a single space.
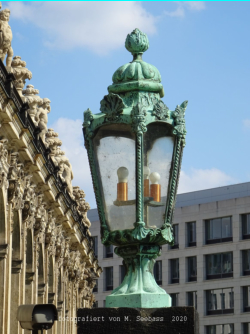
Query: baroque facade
pixel 46 253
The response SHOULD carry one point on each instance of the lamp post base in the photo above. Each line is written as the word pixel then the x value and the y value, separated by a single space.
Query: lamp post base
pixel 139 288
pixel 142 300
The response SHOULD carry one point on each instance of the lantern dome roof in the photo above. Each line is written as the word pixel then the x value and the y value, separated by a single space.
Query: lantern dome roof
pixel 137 75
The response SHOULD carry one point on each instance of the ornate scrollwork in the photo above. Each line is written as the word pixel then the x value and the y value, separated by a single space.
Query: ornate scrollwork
pixel 112 105
pixel 161 111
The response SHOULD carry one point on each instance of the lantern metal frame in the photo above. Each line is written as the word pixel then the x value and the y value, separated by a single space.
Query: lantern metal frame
pixel 139 116
pixel 134 99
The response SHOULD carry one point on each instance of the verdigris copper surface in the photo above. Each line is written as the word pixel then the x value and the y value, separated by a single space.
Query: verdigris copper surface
pixel 134 103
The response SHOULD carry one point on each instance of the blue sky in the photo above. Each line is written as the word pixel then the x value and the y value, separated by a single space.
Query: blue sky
pixel 202 50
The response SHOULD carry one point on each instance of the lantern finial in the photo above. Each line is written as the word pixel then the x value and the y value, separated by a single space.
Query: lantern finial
pixel 137 42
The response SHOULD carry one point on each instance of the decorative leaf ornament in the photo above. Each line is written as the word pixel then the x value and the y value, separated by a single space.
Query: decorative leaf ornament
pixel 161 111
pixel 137 42
pixel 112 105
pixel 88 118
pixel 179 120
pixel 138 115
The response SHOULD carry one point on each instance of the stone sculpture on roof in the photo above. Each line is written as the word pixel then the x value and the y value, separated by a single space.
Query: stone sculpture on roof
pixel 5 37
pixel 42 117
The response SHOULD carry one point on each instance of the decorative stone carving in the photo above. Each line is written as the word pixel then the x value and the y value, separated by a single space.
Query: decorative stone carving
pixel 42 118
pixel 74 265
pixel 82 206
pixel 30 97
pixel 40 219
pixel 29 208
pixel 5 37
pixel 4 166
pixel 50 234
pixel 66 172
pixel 21 73
pixel 53 142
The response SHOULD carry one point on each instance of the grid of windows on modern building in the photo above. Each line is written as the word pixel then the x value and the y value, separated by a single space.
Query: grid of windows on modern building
pixel 208 267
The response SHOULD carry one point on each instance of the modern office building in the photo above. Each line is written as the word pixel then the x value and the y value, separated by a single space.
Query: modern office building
pixel 209 265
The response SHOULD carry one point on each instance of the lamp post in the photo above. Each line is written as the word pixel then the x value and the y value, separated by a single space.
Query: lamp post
pixel 134 148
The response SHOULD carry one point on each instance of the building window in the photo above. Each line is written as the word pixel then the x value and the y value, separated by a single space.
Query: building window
pixel 95 304
pixel 95 245
pixel 220 329
pixel 245 219
pixel 192 299
pixel 175 299
pixel 246 327
pixel 104 303
pixel 219 265
pixel 191 234
pixel 192 269
pixel 158 272
pixel 174 265
pixel 108 251
pixel 108 278
pixel 96 286
pixel 176 236
pixel 220 301
pixel 122 272
pixel 246 261
pixel 246 298
pixel 218 230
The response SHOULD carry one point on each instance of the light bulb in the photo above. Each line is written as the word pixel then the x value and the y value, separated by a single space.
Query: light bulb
pixel 154 177
pixel 122 173
pixel 146 172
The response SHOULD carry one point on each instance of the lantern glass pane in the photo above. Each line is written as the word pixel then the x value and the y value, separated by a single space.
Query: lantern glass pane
pixel 114 147
pixel 158 153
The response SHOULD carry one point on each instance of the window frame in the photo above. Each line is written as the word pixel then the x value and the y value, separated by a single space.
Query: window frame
pixel 110 286
pixel 191 278
pixel 221 310
pixel 191 243
pixel 158 265
pixel 245 220
pixel 221 274
pixel 246 272
pixel 108 251
pixel 176 233
pixel 210 241
pixel 177 279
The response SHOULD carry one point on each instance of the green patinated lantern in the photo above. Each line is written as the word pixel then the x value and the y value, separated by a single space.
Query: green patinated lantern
pixel 134 148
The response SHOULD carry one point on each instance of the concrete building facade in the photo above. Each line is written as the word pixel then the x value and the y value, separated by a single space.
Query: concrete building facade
pixel 209 265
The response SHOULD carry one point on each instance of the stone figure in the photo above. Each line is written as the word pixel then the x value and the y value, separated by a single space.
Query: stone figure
pixel 82 206
pixel 30 97
pixel 5 37
pixel 53 142
pixel 18 67
pixel 66 172
pixel 42 117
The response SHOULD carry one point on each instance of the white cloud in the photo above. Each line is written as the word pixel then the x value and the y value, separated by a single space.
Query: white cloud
pixel 70 133
pixel 246 123
pixel 199 179
pixel 99 26
pixel 183 6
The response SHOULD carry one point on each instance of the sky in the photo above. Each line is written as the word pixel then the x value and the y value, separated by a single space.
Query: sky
pixel 202 50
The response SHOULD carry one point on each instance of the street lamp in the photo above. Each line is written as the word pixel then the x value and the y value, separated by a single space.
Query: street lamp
pixel 134 148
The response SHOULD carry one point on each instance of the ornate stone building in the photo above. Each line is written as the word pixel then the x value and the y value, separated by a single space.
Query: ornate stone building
pixel 46 253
